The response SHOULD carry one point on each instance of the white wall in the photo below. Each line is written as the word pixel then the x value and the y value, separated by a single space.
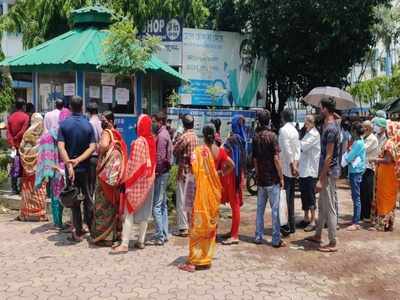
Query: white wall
pixel 11 43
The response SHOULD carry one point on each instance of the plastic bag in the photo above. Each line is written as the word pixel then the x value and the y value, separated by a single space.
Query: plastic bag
pixel 283 209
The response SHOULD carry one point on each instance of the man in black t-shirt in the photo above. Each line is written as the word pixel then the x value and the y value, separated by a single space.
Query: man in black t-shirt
pixel 269 178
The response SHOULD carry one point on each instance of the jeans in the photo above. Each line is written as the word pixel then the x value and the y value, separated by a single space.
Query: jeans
pixel 327 206
pixel 273 193
pixel 367 193
pixel 355 183
pixel 82 182
pixel 160 208
pixel 290 184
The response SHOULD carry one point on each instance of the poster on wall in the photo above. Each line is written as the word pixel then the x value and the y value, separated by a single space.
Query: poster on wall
pixel 107 79
pixel 69 89
pixel 221 71
pixel 45 89
pixel 203 116
pixel 94 92
pixel 107 92
pixel 170 33
pixel 122 96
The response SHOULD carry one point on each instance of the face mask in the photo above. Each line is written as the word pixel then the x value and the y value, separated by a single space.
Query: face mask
pixel 154 128
pixel 377 129
pixel 104 124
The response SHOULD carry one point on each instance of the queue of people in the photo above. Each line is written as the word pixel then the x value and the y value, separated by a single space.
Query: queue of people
pixel 118 189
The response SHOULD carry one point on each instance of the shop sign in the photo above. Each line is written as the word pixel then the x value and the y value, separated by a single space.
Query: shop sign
pixel 170 33
pixel 69 89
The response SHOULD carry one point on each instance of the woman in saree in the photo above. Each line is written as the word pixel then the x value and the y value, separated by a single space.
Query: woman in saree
pixel 50 169
pixel 33 200
pixel 106 228
pixel 136 202
pixel 209 163
pixel 387 180
pixel 236 147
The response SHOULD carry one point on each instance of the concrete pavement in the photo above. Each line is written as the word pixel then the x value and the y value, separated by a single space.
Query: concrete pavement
pixel 37 262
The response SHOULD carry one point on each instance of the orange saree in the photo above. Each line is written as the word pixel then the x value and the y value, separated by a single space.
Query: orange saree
pixel 205 213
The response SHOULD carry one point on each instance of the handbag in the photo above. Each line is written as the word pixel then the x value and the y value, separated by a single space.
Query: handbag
pixel 283 209
pixel 70 196
pixel 111 168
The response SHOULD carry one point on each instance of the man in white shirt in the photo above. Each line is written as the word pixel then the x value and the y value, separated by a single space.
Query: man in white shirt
pixel 310 147
pixel 367 183
pixel 290 153
pixel 51 118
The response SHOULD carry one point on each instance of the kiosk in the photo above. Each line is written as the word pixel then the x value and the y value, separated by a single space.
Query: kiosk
pixel 67 66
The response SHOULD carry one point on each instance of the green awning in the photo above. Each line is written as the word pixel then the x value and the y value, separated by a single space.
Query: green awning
pixel 77 50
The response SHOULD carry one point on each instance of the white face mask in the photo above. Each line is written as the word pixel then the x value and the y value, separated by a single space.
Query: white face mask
pixel 377 129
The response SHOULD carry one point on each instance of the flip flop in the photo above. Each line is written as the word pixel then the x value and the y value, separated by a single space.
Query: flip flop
pixel 187 268
pixel 230 242
pixel 114 251
pixel 328 249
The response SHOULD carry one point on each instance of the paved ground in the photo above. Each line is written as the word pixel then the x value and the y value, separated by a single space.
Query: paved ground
pixel 38 263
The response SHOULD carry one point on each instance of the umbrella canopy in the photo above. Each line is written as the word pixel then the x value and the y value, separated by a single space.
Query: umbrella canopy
pixel 393 107
pixel 343 99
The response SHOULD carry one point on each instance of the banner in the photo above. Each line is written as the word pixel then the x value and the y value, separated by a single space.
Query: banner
pixel 221 70
pixel 170 33
pixel 204 116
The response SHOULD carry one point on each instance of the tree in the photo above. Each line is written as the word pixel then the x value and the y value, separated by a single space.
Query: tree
pixel 387 30
pixel 39 20
pixel 6 92
pixel 309 43
pixel 125 54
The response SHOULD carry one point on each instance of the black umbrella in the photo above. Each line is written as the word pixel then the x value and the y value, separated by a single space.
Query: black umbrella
pixel 393 107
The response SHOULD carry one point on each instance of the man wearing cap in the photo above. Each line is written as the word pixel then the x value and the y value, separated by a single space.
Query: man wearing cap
pixel 367 183
pixel 51 118
pixel 94 120
pixel 380 131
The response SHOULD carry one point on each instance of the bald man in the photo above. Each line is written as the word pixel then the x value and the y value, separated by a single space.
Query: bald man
pixel 367 184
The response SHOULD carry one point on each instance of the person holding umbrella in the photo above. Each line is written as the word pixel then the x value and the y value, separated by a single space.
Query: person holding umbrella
pixel 329 171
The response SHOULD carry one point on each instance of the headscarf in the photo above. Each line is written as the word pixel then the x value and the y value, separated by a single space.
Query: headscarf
pixel 393 144
pixel 30 144
pixel 237 146
pixel 144 129
pixel 141 168
pixel 380 122
pixel 48 157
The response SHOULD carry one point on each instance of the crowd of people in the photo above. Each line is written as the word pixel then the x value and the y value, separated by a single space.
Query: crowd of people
pixel 117 189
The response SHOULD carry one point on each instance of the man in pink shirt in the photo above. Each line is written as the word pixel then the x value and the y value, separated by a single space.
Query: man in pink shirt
pixel 51 118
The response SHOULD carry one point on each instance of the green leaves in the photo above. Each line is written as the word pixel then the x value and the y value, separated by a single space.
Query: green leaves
pixel 6 92
pixel 125 54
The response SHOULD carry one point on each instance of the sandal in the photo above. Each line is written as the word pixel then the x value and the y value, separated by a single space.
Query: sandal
pixel 353 227
pixel 230 242
pixel 281 244
pixel 187 268
pixel 328 249
pixel 310 227
pixel 121 249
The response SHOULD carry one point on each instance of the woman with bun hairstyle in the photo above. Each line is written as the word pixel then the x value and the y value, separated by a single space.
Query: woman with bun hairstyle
pixel 208 162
